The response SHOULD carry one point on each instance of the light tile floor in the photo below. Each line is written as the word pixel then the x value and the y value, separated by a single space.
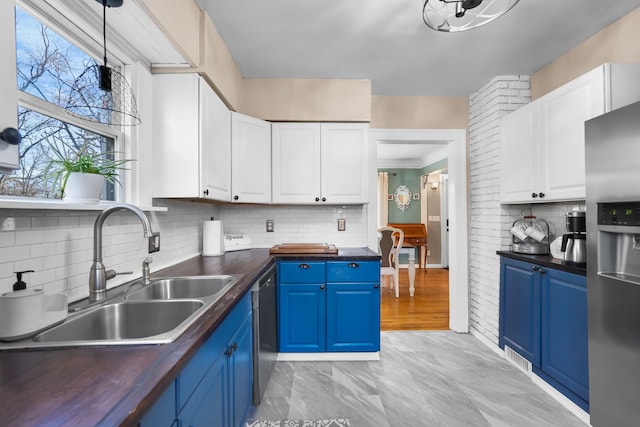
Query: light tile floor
pixel 424 378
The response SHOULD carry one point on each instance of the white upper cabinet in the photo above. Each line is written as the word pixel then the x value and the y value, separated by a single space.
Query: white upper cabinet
pixel 215 134
pixel 191 139
pixel 250 159
pixel 542 155
pixel 519 155
pixel 344 162
pixel 315 163
pixel 296 162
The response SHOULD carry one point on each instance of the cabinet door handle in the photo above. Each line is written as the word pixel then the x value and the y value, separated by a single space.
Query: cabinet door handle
pixel 236 197
pixel 324 199
pixel 534 195
pixel 535 268
pixel 304 266
pixel 206 192
pixel 353 265
pixel 235 346
pixel 228 352
pixel 543 271
pixel 541 195
pixel 376 286
pixel 322 287
pixel 317 199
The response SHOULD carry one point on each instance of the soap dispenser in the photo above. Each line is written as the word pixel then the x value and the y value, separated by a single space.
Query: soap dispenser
pixel 20 285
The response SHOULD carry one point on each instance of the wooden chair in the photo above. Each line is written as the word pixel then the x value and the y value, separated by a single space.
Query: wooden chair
pixel 390 239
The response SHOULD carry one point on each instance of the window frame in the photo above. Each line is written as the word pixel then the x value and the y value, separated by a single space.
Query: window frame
pixel 59 23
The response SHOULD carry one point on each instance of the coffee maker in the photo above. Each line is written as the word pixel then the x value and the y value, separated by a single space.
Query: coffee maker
pixel 574 243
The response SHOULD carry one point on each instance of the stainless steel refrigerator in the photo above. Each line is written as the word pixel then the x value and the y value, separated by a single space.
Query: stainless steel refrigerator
pixel 613 266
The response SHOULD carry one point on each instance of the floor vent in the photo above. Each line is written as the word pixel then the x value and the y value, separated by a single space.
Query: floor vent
pixel 518 361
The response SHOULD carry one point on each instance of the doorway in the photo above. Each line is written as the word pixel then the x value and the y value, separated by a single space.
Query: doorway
pixel 457 207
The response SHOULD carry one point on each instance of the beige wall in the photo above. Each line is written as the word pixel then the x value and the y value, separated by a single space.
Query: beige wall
pixel 419 112
pixel 616 43
pixel 341 100
pixel 308 99
pixel 180 21
pixel 217 65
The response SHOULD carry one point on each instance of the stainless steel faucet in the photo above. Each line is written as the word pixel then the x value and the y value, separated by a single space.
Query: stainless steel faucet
pixel 98 276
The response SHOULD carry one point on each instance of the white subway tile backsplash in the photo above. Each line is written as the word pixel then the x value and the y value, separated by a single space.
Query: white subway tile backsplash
pixel 7 238
pixel 59 244
pixel 15 253
pixel 44 222
pixel 10 221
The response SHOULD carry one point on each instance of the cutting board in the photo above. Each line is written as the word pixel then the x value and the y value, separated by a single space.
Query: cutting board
pixel 303 248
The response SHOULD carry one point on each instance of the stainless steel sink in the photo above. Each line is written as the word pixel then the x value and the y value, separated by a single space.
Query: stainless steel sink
pixel 128 320
pixel 157 313
pixel 183 287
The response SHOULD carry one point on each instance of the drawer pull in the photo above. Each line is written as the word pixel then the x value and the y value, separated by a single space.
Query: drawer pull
pixel 322 287
pixel 304 266
pixel 376 286
pixel 353 265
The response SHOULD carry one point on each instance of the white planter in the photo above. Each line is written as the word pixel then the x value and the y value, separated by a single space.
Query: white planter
pixel 83 188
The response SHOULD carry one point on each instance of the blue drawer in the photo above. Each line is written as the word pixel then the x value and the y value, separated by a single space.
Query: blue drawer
pixel 214 347
pixel 301 272
pixel 353 271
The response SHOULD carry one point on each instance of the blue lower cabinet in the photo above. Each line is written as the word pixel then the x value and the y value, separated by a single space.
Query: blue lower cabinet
pixel 353 317
pixel 215 388
pixel 240 365
pixel 331 306
pixel 543 317
pixel 163 411
pixel 208 406
pixel 301 317
pixel 520 308
pixel 565 332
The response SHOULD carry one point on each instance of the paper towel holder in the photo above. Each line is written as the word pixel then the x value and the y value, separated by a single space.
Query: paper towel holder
pixel 212 238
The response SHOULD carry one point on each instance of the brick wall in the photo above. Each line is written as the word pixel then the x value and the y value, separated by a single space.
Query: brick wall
pixel 490 221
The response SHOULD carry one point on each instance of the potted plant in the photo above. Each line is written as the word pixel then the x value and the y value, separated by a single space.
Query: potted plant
pixel 81 175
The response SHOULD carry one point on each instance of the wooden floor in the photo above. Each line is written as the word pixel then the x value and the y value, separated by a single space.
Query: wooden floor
pixel 427 309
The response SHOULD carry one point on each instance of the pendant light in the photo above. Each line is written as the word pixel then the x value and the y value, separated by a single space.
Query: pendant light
pixel 102 94
pixel 461 15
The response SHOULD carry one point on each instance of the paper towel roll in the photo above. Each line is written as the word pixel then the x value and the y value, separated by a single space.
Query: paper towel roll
pixel 212 238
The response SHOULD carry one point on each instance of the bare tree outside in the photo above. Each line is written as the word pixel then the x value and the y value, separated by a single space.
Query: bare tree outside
pixel 48 67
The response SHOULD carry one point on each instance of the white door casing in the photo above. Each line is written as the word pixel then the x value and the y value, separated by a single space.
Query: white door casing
pixel 458 206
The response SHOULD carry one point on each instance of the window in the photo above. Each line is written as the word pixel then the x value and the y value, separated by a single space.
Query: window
pixel 48 68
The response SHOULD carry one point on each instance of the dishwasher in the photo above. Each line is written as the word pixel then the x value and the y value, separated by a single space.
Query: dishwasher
pixel 265 332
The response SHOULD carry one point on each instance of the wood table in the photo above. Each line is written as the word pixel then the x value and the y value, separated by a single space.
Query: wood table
pixel 415 235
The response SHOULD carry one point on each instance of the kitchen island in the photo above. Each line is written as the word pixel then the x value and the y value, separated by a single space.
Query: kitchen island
pixel 117 385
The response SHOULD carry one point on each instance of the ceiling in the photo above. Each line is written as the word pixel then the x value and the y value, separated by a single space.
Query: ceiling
pixel 387 42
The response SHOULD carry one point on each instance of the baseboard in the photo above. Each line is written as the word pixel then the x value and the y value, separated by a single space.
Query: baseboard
pixel 559 397
pixel 329 357
pixel 562 399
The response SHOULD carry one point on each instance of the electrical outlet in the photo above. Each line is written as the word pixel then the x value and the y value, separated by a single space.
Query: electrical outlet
pixel 154 242
pixel 342 225
pixel 270 227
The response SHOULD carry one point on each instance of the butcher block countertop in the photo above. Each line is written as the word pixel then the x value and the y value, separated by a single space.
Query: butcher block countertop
pixel 116 385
